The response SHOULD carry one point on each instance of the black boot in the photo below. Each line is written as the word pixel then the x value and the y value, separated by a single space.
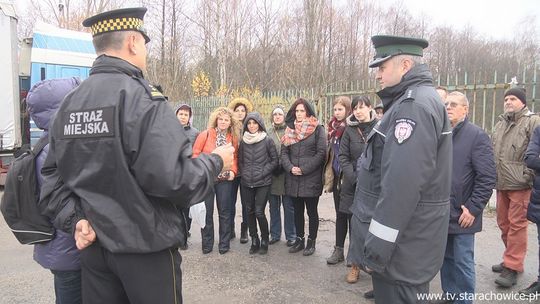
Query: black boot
pixel 243 233
pixel 255 245
pixel 310 247
pixel 298 245
pixel 264 245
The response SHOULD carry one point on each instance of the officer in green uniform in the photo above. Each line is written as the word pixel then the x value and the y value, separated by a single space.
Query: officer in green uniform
pixel 402 197
pixel 118 167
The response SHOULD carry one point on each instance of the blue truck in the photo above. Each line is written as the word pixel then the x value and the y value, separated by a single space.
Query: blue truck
pixel 50 53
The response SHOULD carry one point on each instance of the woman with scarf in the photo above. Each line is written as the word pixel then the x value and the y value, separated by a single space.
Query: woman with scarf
pixel 336 127
pixel 240 107
pixel 353 143
pixel 277 195
pixel 257 158
pixel 222 129
pixel 302 157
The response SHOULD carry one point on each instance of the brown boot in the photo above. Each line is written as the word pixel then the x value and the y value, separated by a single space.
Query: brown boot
pixel 353 275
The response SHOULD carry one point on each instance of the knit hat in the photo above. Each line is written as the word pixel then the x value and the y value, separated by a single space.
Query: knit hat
pixel 518 92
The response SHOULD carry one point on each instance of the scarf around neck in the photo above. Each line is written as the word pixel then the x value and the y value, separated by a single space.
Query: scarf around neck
pixel 301 131
pixel 253 138
pixel 336 128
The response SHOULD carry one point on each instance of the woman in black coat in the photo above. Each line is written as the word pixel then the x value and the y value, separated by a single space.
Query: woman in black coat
pixel 257 158
pixel 532 159
pixel 303 154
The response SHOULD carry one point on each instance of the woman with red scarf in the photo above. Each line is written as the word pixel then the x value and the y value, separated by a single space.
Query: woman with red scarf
pixel 302 155
pixel 336 127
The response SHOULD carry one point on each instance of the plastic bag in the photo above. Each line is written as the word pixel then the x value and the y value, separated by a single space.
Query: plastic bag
pixel 197 213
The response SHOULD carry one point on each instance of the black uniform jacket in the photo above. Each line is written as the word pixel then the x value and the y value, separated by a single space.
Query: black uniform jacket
pixel 408 221
pixel 119 158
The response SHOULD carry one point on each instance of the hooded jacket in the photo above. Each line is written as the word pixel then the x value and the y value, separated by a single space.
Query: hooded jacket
pixel 43 101
pixel 309 155
pixel 125 162
pixel 257 161
pixel 191 132
pixel 408 219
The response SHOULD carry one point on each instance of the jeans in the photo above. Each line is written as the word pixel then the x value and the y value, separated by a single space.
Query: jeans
pixel 457 272
pixel 309 203
pixel 255 201
pixel 222 192
pixel 234 196
pixel 67 286
pixel 275 217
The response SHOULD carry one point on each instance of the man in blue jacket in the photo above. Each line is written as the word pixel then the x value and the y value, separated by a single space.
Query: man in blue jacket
pixel 473 181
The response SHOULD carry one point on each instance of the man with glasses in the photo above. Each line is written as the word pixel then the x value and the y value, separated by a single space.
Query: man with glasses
pixel 473 180
pixel 118 166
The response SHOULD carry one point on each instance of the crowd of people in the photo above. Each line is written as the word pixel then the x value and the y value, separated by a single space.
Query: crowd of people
pixel 410 178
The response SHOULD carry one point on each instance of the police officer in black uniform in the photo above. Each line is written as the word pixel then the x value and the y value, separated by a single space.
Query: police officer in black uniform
pixel 401 206
pixel 119 164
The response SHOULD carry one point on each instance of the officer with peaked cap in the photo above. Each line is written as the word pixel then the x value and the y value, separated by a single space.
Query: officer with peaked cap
pixel 401 207
pixel 119 166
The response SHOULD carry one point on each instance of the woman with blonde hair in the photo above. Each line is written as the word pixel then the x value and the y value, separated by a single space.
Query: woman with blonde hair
pixel 223 129
pixel 241 107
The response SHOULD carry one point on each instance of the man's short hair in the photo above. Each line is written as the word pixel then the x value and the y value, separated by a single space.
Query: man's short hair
pixel 413 58
pixel 462 97
pixel 109 41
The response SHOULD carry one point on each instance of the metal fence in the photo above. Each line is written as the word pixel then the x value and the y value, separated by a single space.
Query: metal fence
pixel 485 94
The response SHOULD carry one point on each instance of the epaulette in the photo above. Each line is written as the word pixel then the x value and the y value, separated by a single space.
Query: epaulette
pixel 154 93
pixel 410 94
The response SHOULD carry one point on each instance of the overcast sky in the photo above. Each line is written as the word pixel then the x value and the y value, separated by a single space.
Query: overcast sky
pixel 494 18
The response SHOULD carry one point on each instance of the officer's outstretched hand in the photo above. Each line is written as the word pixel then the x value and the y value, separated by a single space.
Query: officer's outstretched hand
pixel 84 234
pixel 226 153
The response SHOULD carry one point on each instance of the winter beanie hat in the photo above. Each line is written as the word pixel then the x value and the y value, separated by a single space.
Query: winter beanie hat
pixel 518 92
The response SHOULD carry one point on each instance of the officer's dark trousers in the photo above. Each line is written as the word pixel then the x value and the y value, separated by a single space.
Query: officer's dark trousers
pixel 130 278
pixel 391 292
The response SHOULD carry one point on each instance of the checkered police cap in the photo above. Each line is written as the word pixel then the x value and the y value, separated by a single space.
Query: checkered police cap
pixel 125 19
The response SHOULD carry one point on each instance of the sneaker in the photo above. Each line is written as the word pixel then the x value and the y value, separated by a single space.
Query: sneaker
pixel 353 275
pixel 290 243
pixel 498 268
pixel 508 278
pixel 532 290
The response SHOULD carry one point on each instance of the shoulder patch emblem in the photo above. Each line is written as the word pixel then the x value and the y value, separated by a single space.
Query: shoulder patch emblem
pixel 404 129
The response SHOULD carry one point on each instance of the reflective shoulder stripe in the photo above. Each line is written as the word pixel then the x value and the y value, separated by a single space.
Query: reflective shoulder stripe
pixel 381 133
pixel 447 133
pixel 383 232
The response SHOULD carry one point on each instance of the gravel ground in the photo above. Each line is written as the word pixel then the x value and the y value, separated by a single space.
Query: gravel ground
pixel 278 277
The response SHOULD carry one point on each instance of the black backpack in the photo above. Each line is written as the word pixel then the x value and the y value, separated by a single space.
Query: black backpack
pixel 21 196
